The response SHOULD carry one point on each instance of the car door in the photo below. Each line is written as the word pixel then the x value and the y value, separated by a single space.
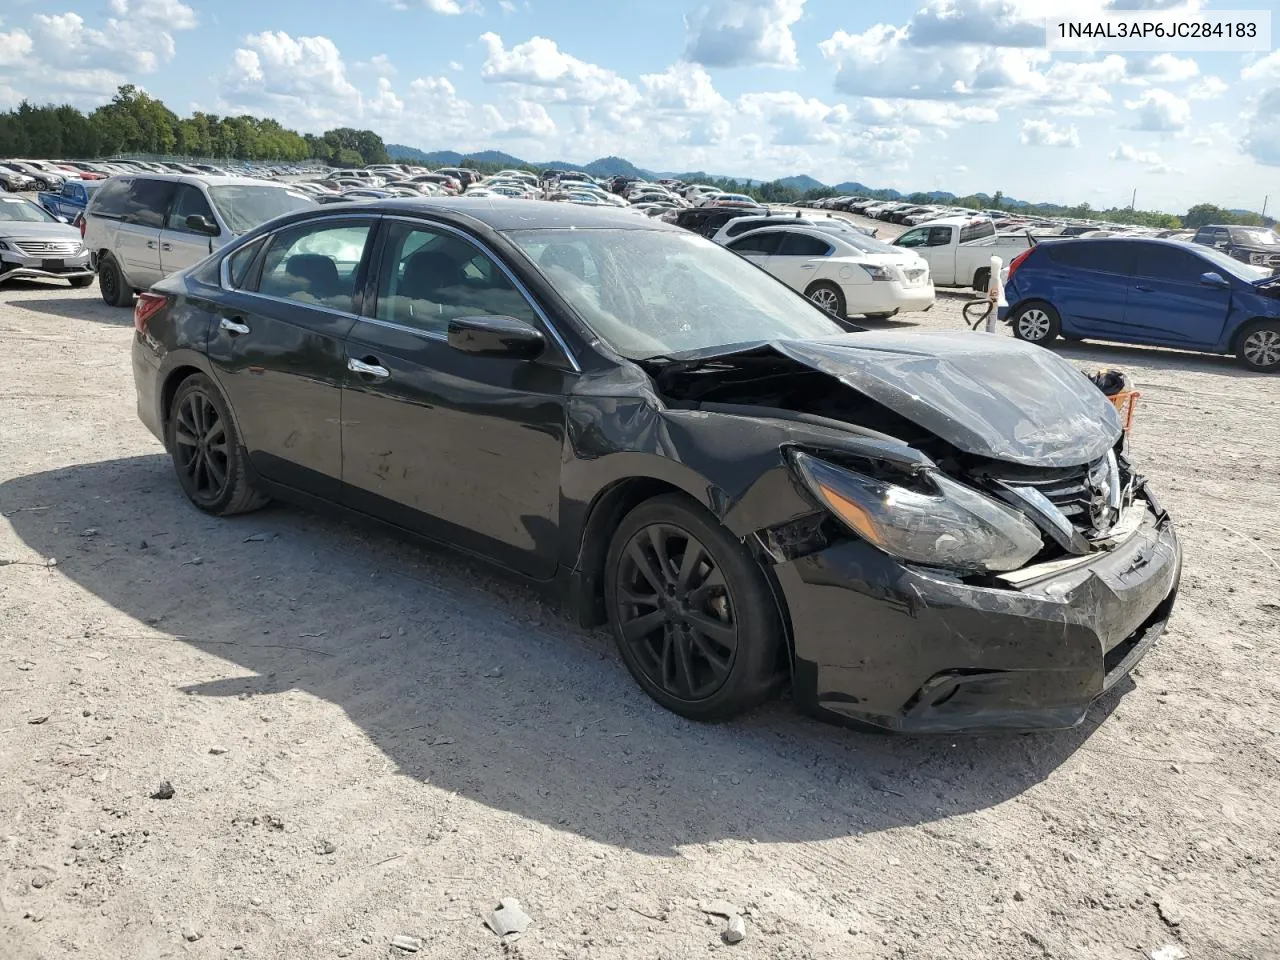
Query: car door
pixel 462 448
pixel 137 239
pixel 759 248
pixel 798 258
pixel 180 245
pixel 1087 282
pixel 1168 303
pixel 279 347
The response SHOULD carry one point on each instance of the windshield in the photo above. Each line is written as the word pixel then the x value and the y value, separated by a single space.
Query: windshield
pixel 657 292
pixel 245 205
pixel 23 211
pixel 1255 238
pixel 1231 265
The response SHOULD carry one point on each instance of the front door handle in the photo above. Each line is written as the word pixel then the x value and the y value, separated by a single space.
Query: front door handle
pixel 151 244
pixel 233 327
pixel 808 266
pixel 368 369
pixel 166 246
pixel 1142 287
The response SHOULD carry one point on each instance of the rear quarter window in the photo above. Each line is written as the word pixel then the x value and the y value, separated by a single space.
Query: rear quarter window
pixel 109 199
pixel 977 231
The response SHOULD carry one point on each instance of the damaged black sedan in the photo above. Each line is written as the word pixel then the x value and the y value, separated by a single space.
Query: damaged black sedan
pixel 918 532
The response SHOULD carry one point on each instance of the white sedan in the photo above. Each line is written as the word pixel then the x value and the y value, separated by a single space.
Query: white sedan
pixel 844 274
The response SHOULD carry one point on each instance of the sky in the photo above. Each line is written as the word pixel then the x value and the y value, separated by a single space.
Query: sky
pixel 956 95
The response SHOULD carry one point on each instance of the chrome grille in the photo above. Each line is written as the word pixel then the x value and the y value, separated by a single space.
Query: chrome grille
pixel 48 248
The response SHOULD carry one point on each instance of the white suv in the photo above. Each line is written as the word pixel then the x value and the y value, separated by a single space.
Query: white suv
pixel 139 229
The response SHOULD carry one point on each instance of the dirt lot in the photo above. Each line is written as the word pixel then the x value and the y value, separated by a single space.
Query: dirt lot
pixel 367 739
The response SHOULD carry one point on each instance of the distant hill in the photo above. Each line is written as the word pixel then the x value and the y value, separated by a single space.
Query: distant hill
pixel 802 182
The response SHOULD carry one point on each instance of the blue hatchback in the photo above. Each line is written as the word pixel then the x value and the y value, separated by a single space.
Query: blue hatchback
pixel 1159 292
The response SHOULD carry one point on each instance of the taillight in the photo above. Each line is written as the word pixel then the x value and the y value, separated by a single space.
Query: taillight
pixel 1016 262
pixel 148 305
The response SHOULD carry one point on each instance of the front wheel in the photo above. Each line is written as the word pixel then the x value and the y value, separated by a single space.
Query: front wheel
pixel 828 297
pixel 80 282
pixel 1036 323
pixel 207 455
pixel 692 613
pixel 1260 348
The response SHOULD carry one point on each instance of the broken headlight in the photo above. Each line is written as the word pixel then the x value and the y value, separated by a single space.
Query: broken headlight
pixel 938 522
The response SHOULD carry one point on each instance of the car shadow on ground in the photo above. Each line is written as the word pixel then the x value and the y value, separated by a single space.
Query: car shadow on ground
pixel 77 308
pixel 1163 360
pixel 473 684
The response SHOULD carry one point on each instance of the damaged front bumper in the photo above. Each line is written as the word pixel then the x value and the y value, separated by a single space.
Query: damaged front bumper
pixel 15 265
pixel 908 649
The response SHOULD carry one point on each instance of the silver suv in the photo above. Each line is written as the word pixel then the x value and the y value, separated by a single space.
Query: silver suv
pixel 142 228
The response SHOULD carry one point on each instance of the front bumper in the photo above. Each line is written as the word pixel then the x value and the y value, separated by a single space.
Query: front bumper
pixel 901 648
pixel 15 265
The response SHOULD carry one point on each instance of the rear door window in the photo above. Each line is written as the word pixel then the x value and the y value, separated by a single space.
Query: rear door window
pixel 759 243
pixel 148 202
pixel 112 197
pixel 803 245
pixel 1102 256
pixel 316 264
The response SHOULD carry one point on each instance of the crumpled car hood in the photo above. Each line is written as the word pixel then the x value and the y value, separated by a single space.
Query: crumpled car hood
pixel 984 394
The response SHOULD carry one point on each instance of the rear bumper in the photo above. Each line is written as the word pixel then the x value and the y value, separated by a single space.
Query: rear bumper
pixel 904 649
pixel 887 296
pixel 146 378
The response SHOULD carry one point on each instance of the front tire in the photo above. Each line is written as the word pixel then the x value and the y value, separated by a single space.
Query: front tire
pixel 111 283
pixel 80 282
pixel 828 297
pixel 1036 322
pixel 692 613
pixel 208 458
pixel 1260 348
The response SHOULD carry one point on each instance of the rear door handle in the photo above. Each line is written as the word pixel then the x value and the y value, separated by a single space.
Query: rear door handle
pixel 368 369
pixel 233 327
pixel 166 246
pixel 1142 287
pixel 151 244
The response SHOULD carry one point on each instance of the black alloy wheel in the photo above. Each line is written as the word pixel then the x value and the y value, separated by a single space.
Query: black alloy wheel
pixel 207 454
pixel 200 449
pixel 691 610
pixel 675 612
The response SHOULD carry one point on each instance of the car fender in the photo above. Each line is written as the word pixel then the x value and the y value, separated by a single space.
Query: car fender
pixel 1247 309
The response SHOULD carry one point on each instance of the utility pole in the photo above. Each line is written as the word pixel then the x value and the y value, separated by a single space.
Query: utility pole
pixel 1134 200
pixel 1264 204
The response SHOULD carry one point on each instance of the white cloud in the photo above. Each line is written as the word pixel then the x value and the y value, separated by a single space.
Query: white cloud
pixel 507 6
pixel 1162 68
pixel 15 47
pixel 740 33
pixel 1267 69
pixel 455 66
pixel 450 8
pixel 682 88
pixel 1147 158
pixel 1208 88
pixel 303 79
pixel 539 62
pixel 1262 142
pixel 380 64
pixel 531 121
pixel 168 14
pixel 796 120
pixel 1042 133
pixel 1159 111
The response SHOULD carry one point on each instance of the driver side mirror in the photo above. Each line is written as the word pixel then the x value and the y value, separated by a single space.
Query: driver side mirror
pixel 201 224
pixel 1214 279
pixel 496 337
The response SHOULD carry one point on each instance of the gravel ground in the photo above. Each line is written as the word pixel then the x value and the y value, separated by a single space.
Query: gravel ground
pixel 366 739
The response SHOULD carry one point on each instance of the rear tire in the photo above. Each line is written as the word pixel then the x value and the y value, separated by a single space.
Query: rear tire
pixel 1036 322
pixel 1260 348
pixel 691 611
pixel 111 283
pixel 981 279
pixel 881 316
pixel 80 282
pixel 827 297
pixel 211 464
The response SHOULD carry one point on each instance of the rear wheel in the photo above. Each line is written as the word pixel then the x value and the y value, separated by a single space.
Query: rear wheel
pixel 1260 348
pixel 207 455
pixel 1036 323
pixel 693 616
pixel 827 296
pixel 981 280
pixel 111 283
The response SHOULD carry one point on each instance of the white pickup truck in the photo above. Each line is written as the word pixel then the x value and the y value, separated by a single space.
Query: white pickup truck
pixel 959 249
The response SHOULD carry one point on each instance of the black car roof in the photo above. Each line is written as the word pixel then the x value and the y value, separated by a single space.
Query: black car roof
pixel 511 214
